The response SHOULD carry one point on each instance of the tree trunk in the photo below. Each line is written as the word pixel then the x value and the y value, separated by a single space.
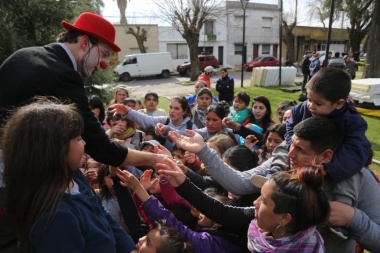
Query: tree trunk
pixel 373 38
pixel 193 40
pixel 288 39
pixel 122 5
pixel 141 35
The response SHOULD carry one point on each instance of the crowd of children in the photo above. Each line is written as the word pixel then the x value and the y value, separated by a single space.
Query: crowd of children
pixel 219 156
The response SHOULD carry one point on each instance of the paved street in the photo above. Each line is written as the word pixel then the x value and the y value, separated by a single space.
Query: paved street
pixel 174 84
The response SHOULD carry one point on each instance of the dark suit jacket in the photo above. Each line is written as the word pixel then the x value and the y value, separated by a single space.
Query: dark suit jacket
pixel 48 71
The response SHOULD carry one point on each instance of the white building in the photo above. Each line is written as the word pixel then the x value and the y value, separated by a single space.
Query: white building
pixel 224 36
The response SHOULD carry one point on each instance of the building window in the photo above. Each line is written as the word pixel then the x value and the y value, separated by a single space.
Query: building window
pixel 266 22
pixel 265 49
pixel 209 27
pixel 238 49
pixel 177 50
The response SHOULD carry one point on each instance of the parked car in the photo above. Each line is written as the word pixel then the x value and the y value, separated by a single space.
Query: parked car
pixel 262 61
pixel 149 64
pixel 204 60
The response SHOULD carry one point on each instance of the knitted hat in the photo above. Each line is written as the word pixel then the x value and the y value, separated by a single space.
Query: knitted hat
pixel 94 25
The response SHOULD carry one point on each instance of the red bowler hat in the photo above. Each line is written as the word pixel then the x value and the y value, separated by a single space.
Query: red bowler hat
pixel 94 25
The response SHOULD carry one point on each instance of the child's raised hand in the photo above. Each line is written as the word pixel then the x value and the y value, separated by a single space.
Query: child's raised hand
pixel 119 109
pixel 128 180
pixel 145 179
pixel 194 143
pixel 160 129
pixel 171 172
pixel 159 149
pixel 250 141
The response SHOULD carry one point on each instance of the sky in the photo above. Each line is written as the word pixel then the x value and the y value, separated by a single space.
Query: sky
pixel 141 11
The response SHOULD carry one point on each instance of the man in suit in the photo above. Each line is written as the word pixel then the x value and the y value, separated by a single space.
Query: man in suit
pixel 56 70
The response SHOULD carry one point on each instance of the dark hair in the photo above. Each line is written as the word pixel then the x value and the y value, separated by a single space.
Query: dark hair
pixel 151 93
pixel 331 83
pixel 184 105
pixel 103 189
pixel 40 134
pixel 243 96
pixel 71 36
pixel 241 157
pixel 280 129
pixel 129 100
pixel 171 240
pixel 267 120
pixel 204 90
pixel 321 132
pixel 282 106
pixel 218 195
pixel 336 55
pixel 159 138
pixel 96 103
pixel 219 109
pixel 176 148
pixel 111 116
pixel 300 194
pixel 224 69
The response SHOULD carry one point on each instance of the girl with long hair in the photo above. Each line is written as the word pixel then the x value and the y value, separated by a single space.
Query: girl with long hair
pixel 50 207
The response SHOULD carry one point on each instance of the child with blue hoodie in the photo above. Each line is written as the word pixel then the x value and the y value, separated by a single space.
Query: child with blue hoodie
pixel 328 95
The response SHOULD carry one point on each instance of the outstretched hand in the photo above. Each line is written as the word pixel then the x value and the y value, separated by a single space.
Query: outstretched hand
pixel 145 179
pixel 159 149
pixel 171 172
pixel 230 123
pixel 194 143
pixel 119 109
pixel 250 141
pixel 128 180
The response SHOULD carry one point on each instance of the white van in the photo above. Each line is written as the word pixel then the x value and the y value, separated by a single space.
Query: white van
pixel 149 64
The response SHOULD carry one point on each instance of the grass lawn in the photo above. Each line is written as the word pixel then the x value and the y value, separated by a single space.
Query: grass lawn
pixel 276 96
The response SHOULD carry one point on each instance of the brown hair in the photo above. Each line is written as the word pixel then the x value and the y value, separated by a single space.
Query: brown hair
pixel 35 143
pixel 300 194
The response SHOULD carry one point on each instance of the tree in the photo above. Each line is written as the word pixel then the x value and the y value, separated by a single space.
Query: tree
pixel 373 38
pixel 359 14
pixel 318 9
pixel 122 5
pixel 288 37
pixel 141 35
pixel 27 23
pixel 188 18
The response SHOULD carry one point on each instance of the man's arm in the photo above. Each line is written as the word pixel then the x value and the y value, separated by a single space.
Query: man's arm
pixel 232 180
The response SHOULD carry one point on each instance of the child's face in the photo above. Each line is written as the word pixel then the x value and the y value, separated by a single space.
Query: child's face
pixel 138 105
pixel 149 243
pixel 199 86
pixel 176 112
pixel 286 116
pixel 120 96
pixel 76 150
pixel 266 219
pixel 155 189
pixel 177 155
pixel 131 105
pixel 204 101
pixel 148 148
pixel 318 105
pixel 273 141
pixel 259 110
pixel 238 104
pixel 151 103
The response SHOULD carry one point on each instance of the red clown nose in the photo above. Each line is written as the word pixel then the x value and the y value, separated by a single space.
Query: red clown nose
pixel 103 65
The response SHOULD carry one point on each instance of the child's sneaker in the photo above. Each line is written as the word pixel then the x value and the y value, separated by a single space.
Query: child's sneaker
pixel 342 232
